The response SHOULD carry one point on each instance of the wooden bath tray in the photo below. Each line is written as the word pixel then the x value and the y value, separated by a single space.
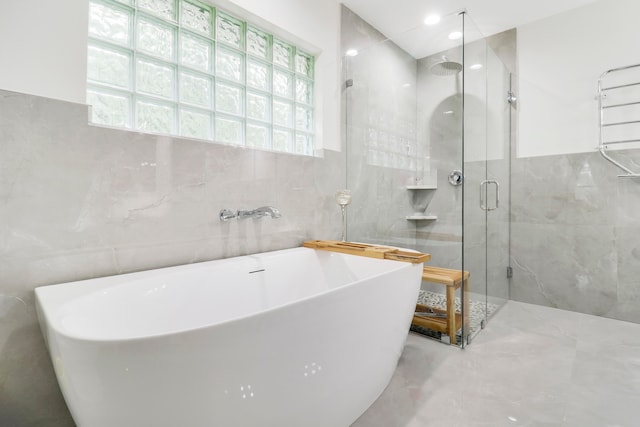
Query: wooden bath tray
pixel 366 250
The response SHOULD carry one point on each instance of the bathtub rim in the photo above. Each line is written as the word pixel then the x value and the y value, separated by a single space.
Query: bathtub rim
pixel 50 321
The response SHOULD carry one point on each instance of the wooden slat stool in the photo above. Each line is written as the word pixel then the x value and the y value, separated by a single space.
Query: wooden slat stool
pixel 445 321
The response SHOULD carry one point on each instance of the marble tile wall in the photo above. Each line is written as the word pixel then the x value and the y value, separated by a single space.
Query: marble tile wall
pixel 575 229
pixel 79 201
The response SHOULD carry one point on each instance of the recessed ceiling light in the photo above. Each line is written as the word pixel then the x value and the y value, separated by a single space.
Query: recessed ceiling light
pixel 476 66
pixel 432 19
pixel 456 35
pixel 351 52
pixel 406 85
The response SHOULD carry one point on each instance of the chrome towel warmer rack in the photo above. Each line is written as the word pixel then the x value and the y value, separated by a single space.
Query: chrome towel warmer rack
pixel 628 109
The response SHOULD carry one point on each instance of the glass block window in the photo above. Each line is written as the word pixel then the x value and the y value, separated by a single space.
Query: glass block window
pixel 186 68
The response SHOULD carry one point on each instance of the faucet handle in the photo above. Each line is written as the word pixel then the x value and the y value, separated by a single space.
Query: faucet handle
pixel 226 215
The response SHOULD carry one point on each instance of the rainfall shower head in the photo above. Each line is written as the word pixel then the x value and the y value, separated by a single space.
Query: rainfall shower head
pixel 445 67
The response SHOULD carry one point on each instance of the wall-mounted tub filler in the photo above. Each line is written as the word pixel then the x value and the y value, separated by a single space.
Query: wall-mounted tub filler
pixel 221 343
pixel 259 213
pixel 227 214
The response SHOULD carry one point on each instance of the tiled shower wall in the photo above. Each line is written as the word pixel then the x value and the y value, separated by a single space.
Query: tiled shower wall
pixel 576 234
pixel 78 201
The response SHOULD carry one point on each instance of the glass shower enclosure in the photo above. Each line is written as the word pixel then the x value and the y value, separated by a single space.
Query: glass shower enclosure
pixel 427 140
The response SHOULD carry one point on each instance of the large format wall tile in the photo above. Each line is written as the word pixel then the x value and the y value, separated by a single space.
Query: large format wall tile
pixel 574 235
pixel 569 267
pixel 568 189
pixel 79 201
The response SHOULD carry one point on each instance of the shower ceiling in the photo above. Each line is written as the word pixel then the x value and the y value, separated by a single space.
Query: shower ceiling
pixel 393 18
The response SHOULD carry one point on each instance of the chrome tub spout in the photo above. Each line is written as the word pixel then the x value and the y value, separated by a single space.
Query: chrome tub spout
pixel 259 213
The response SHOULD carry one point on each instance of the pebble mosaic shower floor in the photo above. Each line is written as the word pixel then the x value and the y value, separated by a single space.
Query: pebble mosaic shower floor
pixel 476 316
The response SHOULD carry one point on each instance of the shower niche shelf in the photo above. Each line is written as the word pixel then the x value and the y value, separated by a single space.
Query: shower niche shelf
pixel 422 187
pixel 420 217
pixel 421 200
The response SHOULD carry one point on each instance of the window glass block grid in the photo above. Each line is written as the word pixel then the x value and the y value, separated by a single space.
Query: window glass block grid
pixel 391 140
pixel 187 68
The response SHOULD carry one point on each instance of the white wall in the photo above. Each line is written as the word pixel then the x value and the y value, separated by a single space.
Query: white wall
pixel 43 46
pixel 560 61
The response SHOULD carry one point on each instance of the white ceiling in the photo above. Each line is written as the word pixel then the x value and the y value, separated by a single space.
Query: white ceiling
pixel 394 18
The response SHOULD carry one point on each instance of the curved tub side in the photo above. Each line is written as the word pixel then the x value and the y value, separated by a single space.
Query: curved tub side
pixel 317 363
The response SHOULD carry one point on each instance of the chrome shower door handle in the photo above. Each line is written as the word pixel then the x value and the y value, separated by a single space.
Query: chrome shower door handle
pixel 483 191
pixel 497 184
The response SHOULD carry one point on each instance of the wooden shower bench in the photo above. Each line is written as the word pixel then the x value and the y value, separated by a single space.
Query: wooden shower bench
pixel 449 321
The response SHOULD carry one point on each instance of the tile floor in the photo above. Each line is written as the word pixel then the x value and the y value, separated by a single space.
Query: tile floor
pixel 531 366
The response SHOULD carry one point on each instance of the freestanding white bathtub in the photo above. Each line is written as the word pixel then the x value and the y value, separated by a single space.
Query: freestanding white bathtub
pixel 292 338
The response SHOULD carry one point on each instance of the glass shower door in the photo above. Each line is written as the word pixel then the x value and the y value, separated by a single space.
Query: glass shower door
pixel 487 165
